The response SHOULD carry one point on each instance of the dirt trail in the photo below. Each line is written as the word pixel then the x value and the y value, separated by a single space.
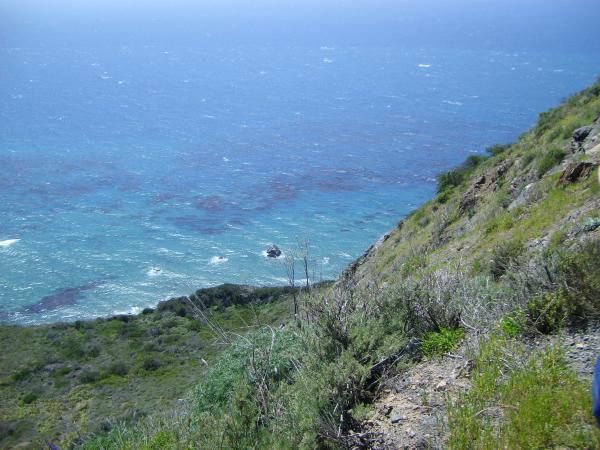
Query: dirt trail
pixel 411 412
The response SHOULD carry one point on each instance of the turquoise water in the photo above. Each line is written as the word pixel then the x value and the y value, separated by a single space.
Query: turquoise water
pixel 133 174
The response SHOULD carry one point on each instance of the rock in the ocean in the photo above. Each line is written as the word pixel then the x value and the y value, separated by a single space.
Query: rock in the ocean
pixel 273 251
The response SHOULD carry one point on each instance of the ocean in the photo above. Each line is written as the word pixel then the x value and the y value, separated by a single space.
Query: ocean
pixel 132 174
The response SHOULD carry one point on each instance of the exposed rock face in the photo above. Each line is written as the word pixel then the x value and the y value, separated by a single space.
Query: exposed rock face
pixel 580 134
pixel 352 268
pixel 576 171
pixel 585 138
pixel 486 182
pixel 273 251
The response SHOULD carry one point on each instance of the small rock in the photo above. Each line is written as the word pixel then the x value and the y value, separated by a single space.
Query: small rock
pixel 411 434
pixel 398 418
pixel 442 385
pixel 386 410
pixel 83 404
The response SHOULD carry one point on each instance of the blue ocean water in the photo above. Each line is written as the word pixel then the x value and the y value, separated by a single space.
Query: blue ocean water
pixel 133 174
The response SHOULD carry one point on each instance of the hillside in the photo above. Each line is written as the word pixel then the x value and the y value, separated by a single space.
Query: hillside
pixel 60 382
pixel 534 195
pixel 498 276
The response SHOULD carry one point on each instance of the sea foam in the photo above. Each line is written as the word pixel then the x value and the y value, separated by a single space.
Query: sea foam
pixel 7 243
pixel 217 260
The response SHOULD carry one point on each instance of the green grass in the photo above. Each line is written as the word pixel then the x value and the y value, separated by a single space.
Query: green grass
pixel 551 158
pixel 439 342
pixel 455 177
pixel 73 379
pixel 538 404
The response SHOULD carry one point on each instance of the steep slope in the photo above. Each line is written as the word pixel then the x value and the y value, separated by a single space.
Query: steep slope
pixel 529 196
pixel 507 252
pixel 525 212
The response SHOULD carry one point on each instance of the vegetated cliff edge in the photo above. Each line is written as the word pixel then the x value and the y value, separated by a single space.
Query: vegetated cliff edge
pixel 507 254
pixel 60 382
pixel 508 251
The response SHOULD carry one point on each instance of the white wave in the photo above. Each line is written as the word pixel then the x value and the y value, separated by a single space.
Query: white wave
pixel 282 281
pixel 424 66
pixel 7 243
pixel 324 47
pixel 450 102
pixel 225 159
pixel 327 60
pixel 131 311
pixel 154 271
pixel 166 251
pixel 215 260
pixel 325 261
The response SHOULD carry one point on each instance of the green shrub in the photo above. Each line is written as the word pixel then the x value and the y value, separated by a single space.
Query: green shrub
pixel 443 196
pixel 89 376
pixel 557 240
pixel 511 325
pixel 455 177
pixel 503 256
pixel 72 346
pixel 548 120
pixel 579 270
pixel 118 368
pixel 496 150
pixel 439 342
pixel 22 373
pixel 547 313
pixel 232 366
pixel 413 263
pixel 30 397
pixel 93 350
pixel 527 159
pixel 152 364
pixel 553 157
pixel 569 125
pixel 502 222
